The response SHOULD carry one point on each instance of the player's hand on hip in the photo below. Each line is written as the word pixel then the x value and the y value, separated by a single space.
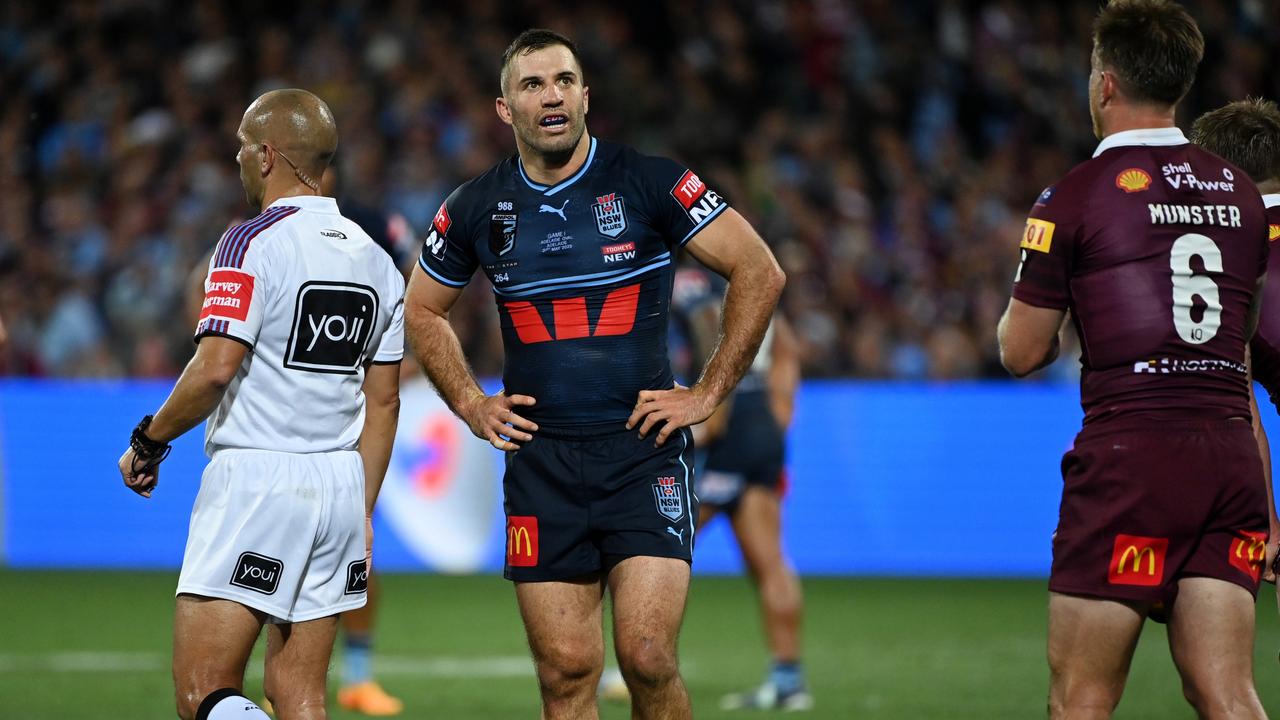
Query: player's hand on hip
pixel 493 418
pixel 675 408
pixel 138 476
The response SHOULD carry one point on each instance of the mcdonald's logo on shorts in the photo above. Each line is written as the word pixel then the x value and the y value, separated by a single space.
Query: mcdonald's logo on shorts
pixel 522 540
pixel 1248 552
pixel 1137 560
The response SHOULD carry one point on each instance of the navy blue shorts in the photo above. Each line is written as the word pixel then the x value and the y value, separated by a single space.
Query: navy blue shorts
pixel 580 501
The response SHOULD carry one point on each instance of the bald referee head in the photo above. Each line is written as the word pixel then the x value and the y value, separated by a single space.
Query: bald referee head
pixel 287 138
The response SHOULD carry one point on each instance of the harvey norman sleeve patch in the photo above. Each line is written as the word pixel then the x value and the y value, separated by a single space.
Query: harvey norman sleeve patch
pixel 227 295
pixel 1038 235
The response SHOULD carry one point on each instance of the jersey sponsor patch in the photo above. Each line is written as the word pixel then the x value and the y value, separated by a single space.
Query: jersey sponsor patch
pixel 1038 235
pixel 1137 560
pixel 618 252
pixel 228 295
pixel 522 540
pixel 1248 553
pixel 1274 233
pixel 1133 180
pixel 698 201
pixel 668 498
pixel 357 578
pixel 257 572
pixel 331 327
pixel 436 244
pixel 441 221
pixel 611 215
pixel 1045 196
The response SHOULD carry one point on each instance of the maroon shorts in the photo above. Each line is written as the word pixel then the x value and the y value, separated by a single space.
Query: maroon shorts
pixel 1146 504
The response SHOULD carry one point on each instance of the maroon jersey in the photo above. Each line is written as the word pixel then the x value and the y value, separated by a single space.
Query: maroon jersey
pixel 1265 347
pixel 1155 246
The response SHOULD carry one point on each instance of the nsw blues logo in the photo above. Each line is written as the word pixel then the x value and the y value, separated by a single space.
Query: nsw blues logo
pixel 668 497
pixel 611 215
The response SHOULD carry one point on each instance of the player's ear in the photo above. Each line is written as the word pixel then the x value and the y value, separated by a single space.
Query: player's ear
pixel 1107 89
pixel 264 159
pixel 504 112
pixel 586 99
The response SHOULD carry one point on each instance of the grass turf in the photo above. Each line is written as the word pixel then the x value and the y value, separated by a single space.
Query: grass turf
pixel 79 645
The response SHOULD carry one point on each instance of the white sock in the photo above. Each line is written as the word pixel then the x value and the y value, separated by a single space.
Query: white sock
pixel 228 705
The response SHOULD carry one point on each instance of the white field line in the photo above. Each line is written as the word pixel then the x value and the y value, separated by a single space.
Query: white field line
pixel 406 665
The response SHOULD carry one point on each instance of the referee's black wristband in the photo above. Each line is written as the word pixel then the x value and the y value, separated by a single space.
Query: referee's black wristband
pixel 147 450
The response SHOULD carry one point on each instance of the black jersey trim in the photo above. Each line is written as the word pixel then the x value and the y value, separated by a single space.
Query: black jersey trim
pixel 201 335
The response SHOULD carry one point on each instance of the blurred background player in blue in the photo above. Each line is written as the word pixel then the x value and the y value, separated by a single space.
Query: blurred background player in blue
pixel 741 475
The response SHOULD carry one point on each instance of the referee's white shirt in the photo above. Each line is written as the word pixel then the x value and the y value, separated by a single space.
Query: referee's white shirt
pixel 316 300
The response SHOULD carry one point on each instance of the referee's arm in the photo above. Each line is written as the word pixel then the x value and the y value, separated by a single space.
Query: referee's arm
pixel 200 388
pixel 381 415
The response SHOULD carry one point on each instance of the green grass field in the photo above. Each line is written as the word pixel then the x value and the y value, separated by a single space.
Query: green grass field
pixel 78 645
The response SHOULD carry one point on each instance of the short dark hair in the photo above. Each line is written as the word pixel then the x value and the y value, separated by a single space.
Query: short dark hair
pixel 529 41
pixel 1245 133
pixel 1153 47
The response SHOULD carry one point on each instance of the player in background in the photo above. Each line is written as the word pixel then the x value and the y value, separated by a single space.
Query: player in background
pixel 741 474
pixel 1246 133
pixel 297 370
pixel 1157 248
pixel 577 236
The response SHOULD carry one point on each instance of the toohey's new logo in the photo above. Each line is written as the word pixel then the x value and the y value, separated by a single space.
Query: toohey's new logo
pixel 331 327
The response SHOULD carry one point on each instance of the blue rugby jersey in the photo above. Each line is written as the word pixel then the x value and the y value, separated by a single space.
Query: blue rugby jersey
pixel 582 274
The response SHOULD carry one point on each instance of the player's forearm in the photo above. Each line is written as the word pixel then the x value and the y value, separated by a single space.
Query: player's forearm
pixel 194 397
pixel 749 302
pixel 437 348
pixel 376 440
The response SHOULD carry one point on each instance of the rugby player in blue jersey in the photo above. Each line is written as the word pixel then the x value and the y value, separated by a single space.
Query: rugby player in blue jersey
pixel 577 237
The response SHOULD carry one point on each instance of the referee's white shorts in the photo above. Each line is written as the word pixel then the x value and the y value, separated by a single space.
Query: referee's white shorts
pixel 279 532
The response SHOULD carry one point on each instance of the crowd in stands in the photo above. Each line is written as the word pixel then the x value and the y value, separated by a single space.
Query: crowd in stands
pixel 888 150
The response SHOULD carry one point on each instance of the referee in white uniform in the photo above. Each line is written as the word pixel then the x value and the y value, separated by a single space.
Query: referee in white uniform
pixel 297 370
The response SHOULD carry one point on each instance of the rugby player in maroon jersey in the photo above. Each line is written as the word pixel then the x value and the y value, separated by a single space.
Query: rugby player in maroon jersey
pixel 1157 248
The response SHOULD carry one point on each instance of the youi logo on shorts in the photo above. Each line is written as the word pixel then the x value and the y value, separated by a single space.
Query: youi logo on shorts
pixel 331 327
pixel 257 572
pixel 357 578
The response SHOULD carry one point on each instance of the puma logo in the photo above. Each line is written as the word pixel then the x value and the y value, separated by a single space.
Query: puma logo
pixel 679 535
pixel 557 211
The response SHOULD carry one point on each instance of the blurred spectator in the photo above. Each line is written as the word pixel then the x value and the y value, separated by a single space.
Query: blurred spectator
pixel 887 149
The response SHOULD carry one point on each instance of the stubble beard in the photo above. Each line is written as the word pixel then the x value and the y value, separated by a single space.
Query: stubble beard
pixel 555 151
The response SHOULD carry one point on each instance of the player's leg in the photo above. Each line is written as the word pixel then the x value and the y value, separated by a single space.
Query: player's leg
pixel 649 595
pixel 757 525
pixel 212 640
pixel 563 622
pixel 1091 644
pixel 359 691
pixel 1211 639
pixel 296 665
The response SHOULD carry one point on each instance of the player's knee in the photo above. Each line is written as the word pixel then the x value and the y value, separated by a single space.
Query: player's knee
pixel 647 663
pixel 565 665
pixel 289 693
pixel 1221 697
pixel 187 702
